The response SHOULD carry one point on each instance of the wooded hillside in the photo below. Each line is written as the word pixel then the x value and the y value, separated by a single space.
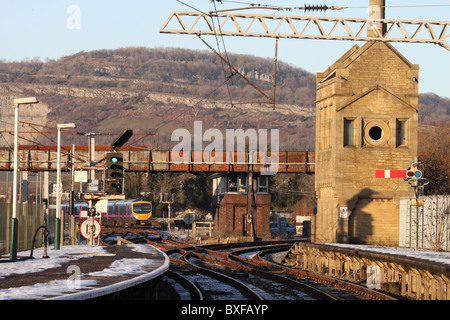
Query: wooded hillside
pixel 159 90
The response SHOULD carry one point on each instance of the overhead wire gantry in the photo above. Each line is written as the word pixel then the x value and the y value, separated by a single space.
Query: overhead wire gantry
pixel 231 22
pixel 308 27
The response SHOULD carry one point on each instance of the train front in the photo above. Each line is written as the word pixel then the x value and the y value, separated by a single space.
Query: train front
pixel 142 212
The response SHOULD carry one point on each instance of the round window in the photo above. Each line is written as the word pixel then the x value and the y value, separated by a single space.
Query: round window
pixel 376 132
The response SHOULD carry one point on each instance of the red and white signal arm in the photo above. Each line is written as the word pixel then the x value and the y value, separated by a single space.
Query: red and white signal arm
pixel 390 174
pixel 96 228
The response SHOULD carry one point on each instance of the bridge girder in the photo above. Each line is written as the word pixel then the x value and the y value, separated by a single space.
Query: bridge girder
pixel 44 158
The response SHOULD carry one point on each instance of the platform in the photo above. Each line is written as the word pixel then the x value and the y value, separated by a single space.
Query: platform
pixel 82 272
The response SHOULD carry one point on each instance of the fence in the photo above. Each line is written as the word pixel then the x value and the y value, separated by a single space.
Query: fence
pixel 36 207
pixel 30 216
pixel 426 226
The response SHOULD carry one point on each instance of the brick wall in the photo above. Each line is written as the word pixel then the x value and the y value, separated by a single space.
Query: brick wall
pixel 232 219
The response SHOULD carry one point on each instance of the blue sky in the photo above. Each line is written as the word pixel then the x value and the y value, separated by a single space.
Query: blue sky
pixel 55 28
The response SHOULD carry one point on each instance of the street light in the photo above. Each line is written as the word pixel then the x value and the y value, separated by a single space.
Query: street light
pixel 14 228
pixel 58 184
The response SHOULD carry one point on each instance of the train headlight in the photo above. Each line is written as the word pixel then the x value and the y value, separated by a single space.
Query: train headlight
pixel 136 216
pixel 149 216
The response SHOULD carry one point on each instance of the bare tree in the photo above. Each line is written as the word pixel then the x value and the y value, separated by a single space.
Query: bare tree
pixel 438 212
pixel 434 151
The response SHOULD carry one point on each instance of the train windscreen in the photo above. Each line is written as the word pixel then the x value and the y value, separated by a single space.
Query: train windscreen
pixel 142 207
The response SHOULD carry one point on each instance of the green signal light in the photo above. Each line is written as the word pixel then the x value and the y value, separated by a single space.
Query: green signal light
pixel 114 159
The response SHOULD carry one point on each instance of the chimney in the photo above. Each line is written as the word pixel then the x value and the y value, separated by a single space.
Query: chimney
pixel 376 11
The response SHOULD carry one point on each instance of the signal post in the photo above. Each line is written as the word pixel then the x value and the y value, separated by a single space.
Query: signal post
pixel 114 173
pixel 112 189
pixel 414 176
pixel 92 199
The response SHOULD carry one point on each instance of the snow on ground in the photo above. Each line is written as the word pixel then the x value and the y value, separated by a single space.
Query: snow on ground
pixel 38 264
pixel 72 283
pixel 433 256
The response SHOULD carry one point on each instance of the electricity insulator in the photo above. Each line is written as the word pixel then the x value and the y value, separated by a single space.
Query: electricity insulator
pixel 316 8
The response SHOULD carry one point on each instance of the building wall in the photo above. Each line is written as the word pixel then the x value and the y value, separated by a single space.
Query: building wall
pixel 362 101
pixel 232 220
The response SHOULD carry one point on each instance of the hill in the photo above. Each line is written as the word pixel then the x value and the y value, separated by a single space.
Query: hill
pixel 159 90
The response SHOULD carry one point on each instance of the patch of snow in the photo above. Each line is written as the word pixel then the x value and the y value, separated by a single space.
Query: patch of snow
pixel 71 284
pixel 38 264
pixel 42 290
pixel 433 256
pixel 124 266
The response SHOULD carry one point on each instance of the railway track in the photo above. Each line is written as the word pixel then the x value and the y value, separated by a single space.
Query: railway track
pixel 269 285
pixel 339 289
pixel 216 285
pixel 242 271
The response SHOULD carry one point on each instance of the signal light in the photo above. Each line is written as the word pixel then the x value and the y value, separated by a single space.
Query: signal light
pixel 114 165
pixel 409 173
pixel 92 212
pixel 114 172
pixel 413 172
pixel 114 187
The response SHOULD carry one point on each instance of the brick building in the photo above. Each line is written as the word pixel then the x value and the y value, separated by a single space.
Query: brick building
pixel 241 206
pixel 366 120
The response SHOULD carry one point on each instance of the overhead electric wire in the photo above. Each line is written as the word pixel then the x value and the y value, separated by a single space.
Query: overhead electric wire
pixel 406 6
pixel 226 55
pixel 187 5
pixel 200 100
pixel 226 59
pixel 1 134
pixel 312 7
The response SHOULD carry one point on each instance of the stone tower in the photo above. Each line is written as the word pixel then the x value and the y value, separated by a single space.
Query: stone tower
pixel 366 120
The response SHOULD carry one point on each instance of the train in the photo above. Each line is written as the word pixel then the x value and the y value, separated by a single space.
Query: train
pixel 120 212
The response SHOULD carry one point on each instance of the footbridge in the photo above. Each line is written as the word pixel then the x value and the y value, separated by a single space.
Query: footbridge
pixel 140 159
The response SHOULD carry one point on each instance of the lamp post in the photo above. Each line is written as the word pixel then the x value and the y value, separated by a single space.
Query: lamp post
pixel 14 228
pixel 58 184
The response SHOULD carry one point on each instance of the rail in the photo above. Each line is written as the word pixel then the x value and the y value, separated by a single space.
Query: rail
pixel 215 255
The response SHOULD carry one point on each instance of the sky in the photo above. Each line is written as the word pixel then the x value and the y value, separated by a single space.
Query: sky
pixel 50 29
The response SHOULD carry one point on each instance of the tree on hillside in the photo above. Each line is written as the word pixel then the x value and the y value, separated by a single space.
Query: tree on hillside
pixel 434 151
pixel 292 192
pixel 189 190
